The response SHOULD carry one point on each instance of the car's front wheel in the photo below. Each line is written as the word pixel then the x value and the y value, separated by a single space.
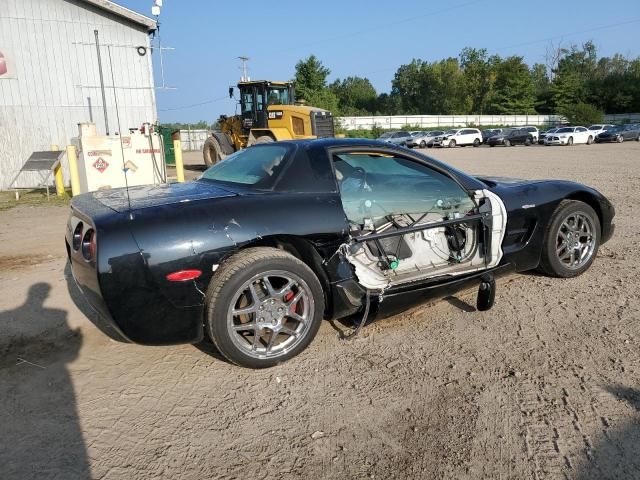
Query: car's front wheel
pixel 423 144
pixel 571 241
pixel 264 306
pixel 452 143
pixel 476 143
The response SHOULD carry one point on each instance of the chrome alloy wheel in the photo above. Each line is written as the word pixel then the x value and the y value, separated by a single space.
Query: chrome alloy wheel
pixel 575 242
pixel 270 314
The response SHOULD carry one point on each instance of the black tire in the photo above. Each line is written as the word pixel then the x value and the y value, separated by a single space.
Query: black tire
pixel 212 151
pixel 423 144
pixel 570 141
pixel 429 145
pixel 230 278
pixel 476 143
pixel 549 261
pixel 620 139
pixel 527 142
pixel 507 143
pixel 452 143
pixel 589 140
pixel 492 145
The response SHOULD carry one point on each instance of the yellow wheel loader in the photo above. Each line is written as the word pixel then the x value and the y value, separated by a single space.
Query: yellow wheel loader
pixel 268 113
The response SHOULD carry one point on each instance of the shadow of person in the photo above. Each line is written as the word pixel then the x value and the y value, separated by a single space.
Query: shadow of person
pixel 40 434
pixel 617 455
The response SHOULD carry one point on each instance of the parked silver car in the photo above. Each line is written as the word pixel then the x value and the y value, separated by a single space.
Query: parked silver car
pixel 397 138
pixel 423 139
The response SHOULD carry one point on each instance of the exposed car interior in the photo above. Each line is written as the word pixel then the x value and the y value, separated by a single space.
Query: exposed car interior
pixel 384 193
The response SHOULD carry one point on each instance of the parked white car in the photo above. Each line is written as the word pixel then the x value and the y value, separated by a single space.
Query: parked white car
pixel 545 133
pixel 535 133
pixel 570 136
pixel 599 128
pixel 459 137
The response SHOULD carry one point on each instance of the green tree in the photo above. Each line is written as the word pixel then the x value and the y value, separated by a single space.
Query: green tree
pixel 542 88
pixel 311 77
pixel 431 88
pixel 514 90
pixel 479 77
pixel 356 95
pixel 582 114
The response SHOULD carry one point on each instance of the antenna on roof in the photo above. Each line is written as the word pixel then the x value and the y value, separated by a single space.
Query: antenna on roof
pixel 124 165
pixel 245 76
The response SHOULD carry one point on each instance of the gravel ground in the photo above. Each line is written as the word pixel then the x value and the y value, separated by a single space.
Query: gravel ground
pixel 545 385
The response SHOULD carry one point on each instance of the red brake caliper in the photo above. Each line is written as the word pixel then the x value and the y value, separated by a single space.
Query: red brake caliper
pixel 287 298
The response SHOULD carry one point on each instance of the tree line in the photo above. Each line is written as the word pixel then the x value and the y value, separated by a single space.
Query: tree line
pixel 574 82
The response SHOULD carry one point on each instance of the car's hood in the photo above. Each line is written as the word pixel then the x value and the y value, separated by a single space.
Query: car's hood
pixel 118 199
pixel 504 181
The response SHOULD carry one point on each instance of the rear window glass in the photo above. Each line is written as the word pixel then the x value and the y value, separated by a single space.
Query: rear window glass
pixel 258 165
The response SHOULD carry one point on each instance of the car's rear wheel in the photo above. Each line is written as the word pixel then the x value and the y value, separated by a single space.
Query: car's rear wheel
pixel 452 143
pixel 620 139
pixel 476 143
pixel 507 143
pixel 527 142
pixel 264 306
pixel 589 140
pixel 423 144
pixel 571 241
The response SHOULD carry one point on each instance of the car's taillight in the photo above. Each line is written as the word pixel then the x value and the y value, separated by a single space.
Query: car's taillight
pixel 89 245
pixel 77 236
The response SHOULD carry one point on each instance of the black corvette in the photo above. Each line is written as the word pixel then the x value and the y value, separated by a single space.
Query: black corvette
pixel 278 236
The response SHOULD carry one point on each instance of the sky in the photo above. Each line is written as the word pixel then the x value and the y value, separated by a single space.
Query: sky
pixel 357 37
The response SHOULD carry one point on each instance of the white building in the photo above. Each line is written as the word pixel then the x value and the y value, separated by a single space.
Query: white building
pixel 49 74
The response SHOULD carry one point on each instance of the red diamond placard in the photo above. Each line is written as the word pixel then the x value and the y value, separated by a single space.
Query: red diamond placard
pixel 100 164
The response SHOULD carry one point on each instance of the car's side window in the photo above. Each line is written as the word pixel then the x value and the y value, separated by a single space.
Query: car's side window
pixel 377 186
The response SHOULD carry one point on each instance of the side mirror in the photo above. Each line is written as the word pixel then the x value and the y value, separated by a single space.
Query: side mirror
pixel 230 92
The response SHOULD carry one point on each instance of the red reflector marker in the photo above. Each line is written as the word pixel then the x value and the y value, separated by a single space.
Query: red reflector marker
pixel 184 275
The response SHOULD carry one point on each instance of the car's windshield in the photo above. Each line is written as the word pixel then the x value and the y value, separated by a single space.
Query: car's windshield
pixel 451 132
pixel 259 165
pixel 565 130
pixel 509 131
pixel 595 127
pixel 386 135
pixel 617 128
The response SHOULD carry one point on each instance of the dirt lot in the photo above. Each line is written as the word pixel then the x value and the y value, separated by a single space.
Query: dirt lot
pixel 546 385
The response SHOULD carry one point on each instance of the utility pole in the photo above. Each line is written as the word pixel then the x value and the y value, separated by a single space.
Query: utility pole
pixel 245 76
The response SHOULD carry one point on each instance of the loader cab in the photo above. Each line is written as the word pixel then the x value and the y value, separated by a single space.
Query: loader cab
pixel 256 97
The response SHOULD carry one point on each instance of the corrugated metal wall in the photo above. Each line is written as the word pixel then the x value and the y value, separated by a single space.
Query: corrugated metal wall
pixel 53 81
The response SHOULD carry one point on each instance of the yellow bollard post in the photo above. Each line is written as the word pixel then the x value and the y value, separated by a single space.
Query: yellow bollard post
pixel 72 158
pixel 177 148
pixel 57 173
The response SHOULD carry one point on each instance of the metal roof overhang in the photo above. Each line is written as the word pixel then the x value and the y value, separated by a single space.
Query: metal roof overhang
pixel 123 12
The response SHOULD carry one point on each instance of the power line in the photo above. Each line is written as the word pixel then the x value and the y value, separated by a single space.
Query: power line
pixel 602 27
pixel 379 26
pixel 184 107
